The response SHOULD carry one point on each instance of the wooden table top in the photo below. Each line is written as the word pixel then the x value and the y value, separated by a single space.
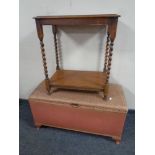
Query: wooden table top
pixel 77 16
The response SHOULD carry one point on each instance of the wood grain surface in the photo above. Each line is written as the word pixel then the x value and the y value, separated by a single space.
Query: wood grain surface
pixel 78 16
pixel 81 80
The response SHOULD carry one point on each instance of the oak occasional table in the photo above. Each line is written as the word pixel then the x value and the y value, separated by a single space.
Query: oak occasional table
pixel 71 79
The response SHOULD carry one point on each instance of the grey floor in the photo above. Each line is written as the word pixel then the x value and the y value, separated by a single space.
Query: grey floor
pixel 52 141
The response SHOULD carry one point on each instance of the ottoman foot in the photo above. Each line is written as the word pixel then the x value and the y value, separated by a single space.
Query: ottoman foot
pixel 117 140
pixel 37 125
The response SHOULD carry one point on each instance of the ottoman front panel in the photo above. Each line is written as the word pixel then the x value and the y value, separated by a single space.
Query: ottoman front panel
pixel 75 117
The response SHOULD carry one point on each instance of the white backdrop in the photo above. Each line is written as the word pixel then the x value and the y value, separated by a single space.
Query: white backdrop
pixel 82 47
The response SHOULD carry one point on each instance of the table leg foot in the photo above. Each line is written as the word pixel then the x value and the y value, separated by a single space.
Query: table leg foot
pixel 106 88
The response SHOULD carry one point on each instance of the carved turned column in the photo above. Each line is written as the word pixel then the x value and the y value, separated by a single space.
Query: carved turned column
pixel 56 46
pixel 40 36
pixel 109 52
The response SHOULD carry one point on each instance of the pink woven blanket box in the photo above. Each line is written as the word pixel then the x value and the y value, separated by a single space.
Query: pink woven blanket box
pixel 80 111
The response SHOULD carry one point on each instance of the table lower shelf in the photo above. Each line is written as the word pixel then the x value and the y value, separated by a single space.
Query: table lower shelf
pixel 79 80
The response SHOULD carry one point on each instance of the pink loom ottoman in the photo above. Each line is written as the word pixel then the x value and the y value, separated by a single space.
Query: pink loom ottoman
pixel 80 111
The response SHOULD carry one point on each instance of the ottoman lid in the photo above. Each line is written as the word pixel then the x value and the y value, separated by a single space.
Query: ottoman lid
pixel 116 101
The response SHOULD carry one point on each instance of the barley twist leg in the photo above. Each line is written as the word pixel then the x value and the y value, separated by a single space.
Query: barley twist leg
pixel 47 81
pixel 106 89
pixel 56 46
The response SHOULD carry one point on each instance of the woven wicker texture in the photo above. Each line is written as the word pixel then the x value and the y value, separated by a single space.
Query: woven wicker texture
pixel 116 101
